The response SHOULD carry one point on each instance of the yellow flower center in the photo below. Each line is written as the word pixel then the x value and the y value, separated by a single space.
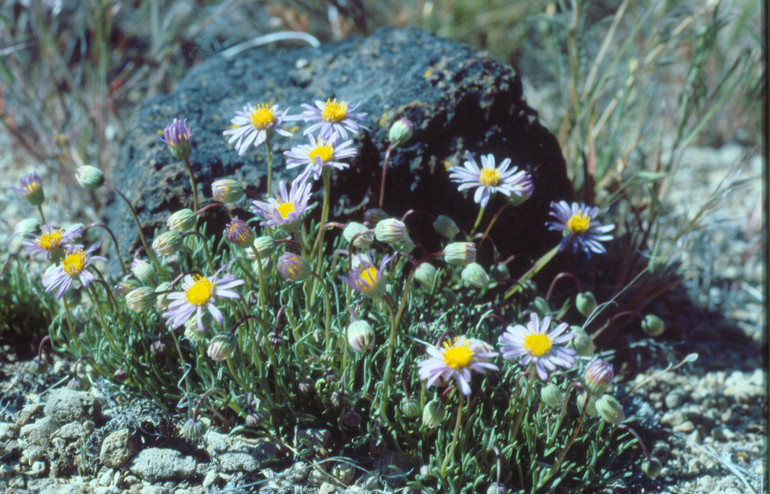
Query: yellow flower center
pixel 323 151
pixel 368 278
pixel 334 112
pixel 489 177
pixel 262 117
pixel 458 357
pixel 74 263
pixel 284 209
pixel 537 344
pixel 50 240
pixel 578 222
pixel 201 291
pixel 31 188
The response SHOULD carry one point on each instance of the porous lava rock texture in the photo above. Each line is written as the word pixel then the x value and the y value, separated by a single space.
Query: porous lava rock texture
pixel 459 99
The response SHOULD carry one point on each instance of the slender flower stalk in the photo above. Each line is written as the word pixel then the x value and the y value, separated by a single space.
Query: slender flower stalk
pixel 177 136
pixel 448 459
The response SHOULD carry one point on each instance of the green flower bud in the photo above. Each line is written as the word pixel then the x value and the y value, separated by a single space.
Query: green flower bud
pixel 143 270
pixel 446 227
pixel 167 243
pixel 141 299
pixel 581 401
pixel 652 467
pixel 473 275
pixel 360 336
pixel 405 245
pixel 496 489
pixel 400 132
pixel 361 241
pixel 582 343
pixel 653 325
pixel 426 275
pixel 552 396
pixel 433 414
pixel 390 231
pixel 160 303
pixel 540 306
pixel 125 286
pixel 499 272
pixel 182 221
pixel 192 331
pixel 193 429
pixel 410 407
pixel 585 303
pixel 610 409
pixel 598 377
pixel 293 267
pixel 221 347
pixel 460 253
pixel 264 246
pixel 227 190
pixel 89 177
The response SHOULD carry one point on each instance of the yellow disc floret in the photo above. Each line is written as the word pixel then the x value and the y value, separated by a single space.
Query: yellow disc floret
pixel 458 357
pixel 322 150
pixel 334 112
pixel 489 177
pixel 200 293
pixel 262 117
pixel 368 278
pixel 50 240
pixel 284 209
pixel 537 344
pixel 74 263
pixel 578 222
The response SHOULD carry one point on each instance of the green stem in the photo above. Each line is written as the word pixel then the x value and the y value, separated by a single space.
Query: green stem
pixel 492 222
pixel 73 335
pixel 523 402
pixel 389 359
pixel 566 448
pixel 107 332
pixel 539 264
pixel 42 216
pixel 205 248
pixel 319 241
pixel 328 309
pixel 181 362
pixel 476 224
pixel 451 454
pixel 269 164
pixel 192 184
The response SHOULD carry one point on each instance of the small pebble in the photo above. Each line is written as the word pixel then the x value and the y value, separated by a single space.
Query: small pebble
pixel 673 400
pixel 685 427
pixel 722 434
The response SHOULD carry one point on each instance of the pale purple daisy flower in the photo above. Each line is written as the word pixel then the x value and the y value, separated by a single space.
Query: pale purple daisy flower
pixel 335 119
pixel 287 207
pixel 320 153
pixel 72 266
pixel 51 239
pixel 579 226
pixel 366 277
pixel 31 188
pixel 538 345
pixel 253 124
pixel 490 179
pixel 199 291
pixel 455 359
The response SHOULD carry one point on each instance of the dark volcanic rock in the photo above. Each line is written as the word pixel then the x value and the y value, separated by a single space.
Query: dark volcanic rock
pixel 459 100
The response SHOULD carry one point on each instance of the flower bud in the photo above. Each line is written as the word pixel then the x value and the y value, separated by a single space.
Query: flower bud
pixel 351 418
pixel 410 407
pixel 581 401
pixel 525 192
pixel 360 336
pixel 125 286
pixel 374 216
pixel 238 232
pixel 653 325
pixel 426 275
pixel 496 488
pixel 262 246
pixel 293 267
pixel 140 299
pixel 433 414
pixel 193 429
pixel 75 384
pixel 89 177
pixel 406 245
pixel 167 243
pixel 460 253
pixel 192 331
pixel 499 272
pixel 598 377
pixel 400 132
pixel 306 386
pixel 610 409
pixel 177 136
pixel 254 418
pixel 552 396
pixel 474 276
pixel 26 227
pixel 540 305
pixel 582 343
pixel 182 221
pixel 337 398
pixel 227 190
pixel 446 227
pixel 143 270
pixel 361 241
pixel 158 348
pixel 31 188
pixel 161 304
pixel 652 467
pixel 221 347
pixel 119 375
pixel 390 231
pixel 585 303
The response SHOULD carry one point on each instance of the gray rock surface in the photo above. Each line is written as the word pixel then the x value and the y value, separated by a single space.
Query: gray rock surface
pixel 459 100
pixel 156 464
pixel 233 454
pixel 118 448
pixel 65 405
